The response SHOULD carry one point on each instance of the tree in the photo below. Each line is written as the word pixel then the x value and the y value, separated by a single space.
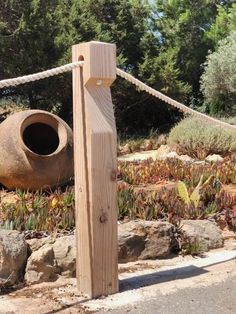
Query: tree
pixel 38 34
pixel 181 26
pixel 122 22
pixel 27 46
pixel 224 24
pixel 218 82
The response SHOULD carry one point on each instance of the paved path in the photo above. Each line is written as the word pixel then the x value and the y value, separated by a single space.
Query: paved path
pixel 214 299
pixel 196 286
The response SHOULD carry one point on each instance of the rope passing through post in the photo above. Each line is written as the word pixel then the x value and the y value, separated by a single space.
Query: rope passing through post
pixel 142 86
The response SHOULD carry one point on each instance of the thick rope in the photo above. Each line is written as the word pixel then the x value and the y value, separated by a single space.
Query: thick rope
pixel 123 74
pixel 40 75
pixel 170 101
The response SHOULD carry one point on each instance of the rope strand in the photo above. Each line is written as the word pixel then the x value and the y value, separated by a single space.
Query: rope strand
pixel 170 101
pixel 123 74
pixel 40 75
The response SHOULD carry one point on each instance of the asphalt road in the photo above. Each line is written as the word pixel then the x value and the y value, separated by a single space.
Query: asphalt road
pixel 214 299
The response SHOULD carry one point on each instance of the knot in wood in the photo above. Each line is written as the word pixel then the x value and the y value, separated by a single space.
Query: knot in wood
pixel 103 218
pixel 113 175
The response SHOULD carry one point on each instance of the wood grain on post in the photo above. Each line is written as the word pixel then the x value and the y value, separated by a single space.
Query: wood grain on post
pixel 95 169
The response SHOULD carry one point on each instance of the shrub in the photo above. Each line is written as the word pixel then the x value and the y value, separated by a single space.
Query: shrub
pixel 198 139
pixel 218 82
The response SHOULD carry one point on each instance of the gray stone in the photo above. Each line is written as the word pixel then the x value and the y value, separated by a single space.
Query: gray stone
pixel 139 240
pixel 205 233
pixel 13 257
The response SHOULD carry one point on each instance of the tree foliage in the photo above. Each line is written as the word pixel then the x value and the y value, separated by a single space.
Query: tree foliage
pixel 163 44
pixel 225 23
pixel 219 77
pixel 27 46
pixel 181 25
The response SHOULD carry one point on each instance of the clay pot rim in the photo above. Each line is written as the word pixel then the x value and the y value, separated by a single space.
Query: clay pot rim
pixel 40 116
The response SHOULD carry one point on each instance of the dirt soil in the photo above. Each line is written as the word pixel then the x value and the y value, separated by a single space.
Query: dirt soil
pixel 138 280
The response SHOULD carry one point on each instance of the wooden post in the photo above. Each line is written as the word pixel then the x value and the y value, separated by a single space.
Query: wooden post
pixel 95 169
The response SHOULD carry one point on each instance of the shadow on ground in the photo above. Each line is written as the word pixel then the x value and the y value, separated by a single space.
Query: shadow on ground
pixel 136 282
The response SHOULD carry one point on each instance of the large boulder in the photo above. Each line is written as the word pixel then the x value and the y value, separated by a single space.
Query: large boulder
pixel 139 240
pixel 204 233
pixel 13 257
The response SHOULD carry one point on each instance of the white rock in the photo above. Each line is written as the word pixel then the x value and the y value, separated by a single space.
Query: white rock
pixel 163 150
pixel 214 158
pixel 185 158
pixel 139 156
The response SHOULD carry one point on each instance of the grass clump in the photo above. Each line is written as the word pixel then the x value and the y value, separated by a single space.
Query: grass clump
pixel 198 139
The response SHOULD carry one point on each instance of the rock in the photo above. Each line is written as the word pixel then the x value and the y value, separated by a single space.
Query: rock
pixel 145 240
pixel 56 257
pixel 147 145
pixel 65 255
pixel 169 155
pixel 214 158
pixel 13 257
pixel 228 235
pixel 205 233
pixel 35 244
pixel 139 156
pixel 137 240
pixel 199 162
pixel 41 265
pixel 165 151
pixel 185 158
pixel 125 149
pixel 162 139
pixel 162 151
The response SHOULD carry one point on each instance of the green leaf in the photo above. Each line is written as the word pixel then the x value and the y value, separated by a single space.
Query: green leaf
pixel 183 192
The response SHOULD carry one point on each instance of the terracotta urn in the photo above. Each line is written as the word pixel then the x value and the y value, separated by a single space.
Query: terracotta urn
pixel 36 150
